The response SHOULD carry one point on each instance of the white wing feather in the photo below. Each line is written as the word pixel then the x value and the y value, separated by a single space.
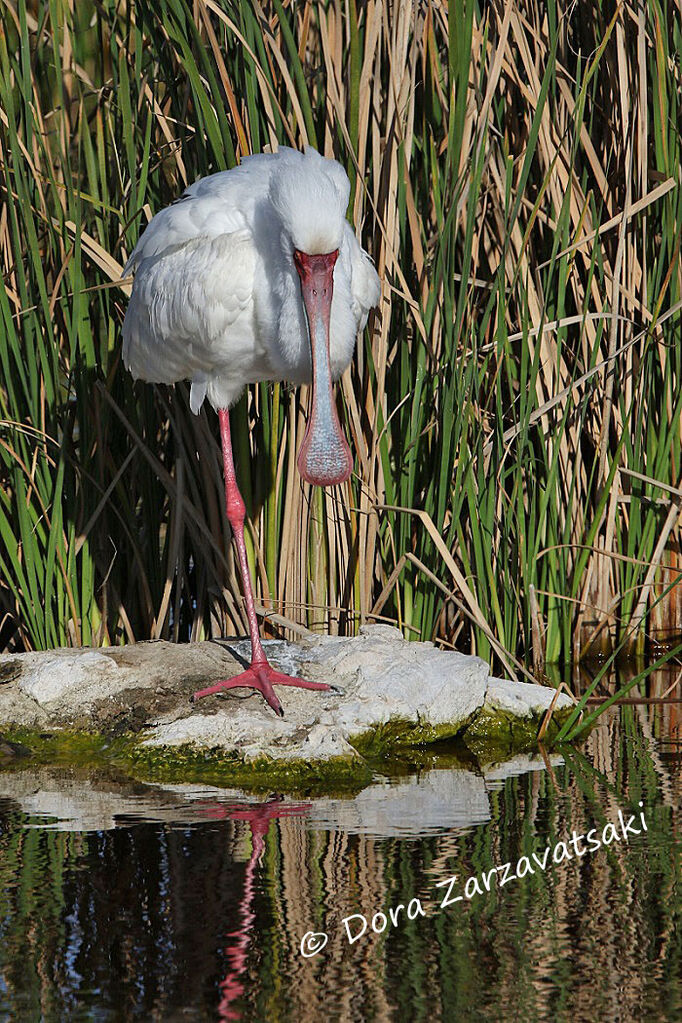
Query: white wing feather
pixel 218 204
pixel 184 221
pixel 191 312
pixel 365 286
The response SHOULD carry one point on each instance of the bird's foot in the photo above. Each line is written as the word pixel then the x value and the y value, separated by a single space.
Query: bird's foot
pixel 261 676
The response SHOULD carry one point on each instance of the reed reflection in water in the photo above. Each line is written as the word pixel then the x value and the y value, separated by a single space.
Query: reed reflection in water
pixel 186 902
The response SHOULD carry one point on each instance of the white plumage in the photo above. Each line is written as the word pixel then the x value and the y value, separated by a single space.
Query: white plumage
pixel 216 297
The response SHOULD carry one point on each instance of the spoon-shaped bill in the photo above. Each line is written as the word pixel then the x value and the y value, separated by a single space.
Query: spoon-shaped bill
pixel 325 458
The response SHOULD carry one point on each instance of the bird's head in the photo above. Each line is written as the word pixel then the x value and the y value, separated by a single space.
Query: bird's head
pixel 311 196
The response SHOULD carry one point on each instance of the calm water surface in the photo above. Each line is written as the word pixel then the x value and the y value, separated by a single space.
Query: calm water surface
pixel 124 902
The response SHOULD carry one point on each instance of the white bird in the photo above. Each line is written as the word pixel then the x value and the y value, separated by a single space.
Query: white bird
pixel 255 274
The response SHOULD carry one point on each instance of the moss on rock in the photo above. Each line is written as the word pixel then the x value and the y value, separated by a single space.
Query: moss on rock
pixel 190 764
pixel 487 735
pixel 399 733
pixel 491 733
pixel 220 767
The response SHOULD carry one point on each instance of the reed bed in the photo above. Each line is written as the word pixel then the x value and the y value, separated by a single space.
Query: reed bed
pixel 515 404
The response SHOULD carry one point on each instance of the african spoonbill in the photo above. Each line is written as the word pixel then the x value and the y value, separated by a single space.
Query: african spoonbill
pixel 255 274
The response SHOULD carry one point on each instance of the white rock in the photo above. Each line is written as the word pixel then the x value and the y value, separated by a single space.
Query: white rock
pixel 80 677
pixel 522 699
pixel 377 677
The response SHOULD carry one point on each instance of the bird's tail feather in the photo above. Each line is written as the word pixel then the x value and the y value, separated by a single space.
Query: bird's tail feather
pixel 197 393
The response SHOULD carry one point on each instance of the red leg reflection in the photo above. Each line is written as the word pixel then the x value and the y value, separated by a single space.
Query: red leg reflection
pixel 258 817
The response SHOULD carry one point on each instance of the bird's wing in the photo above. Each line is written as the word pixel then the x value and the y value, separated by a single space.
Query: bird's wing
pixel 191 216
pixel 218 204
pixel 365 286
pixel 191 311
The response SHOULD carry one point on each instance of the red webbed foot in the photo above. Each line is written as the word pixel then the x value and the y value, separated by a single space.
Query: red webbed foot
pixel 262 677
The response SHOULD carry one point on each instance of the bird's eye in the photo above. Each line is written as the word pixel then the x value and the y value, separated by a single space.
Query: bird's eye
pixel 301 262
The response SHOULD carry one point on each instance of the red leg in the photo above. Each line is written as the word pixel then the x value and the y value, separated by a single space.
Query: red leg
pixel 260 675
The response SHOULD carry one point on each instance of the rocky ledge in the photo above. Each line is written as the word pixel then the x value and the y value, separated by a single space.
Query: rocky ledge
pixel 387 693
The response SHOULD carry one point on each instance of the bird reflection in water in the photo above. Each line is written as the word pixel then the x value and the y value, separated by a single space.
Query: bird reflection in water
pixel 258 817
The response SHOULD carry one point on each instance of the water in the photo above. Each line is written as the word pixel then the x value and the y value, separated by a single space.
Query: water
pixel 123 901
